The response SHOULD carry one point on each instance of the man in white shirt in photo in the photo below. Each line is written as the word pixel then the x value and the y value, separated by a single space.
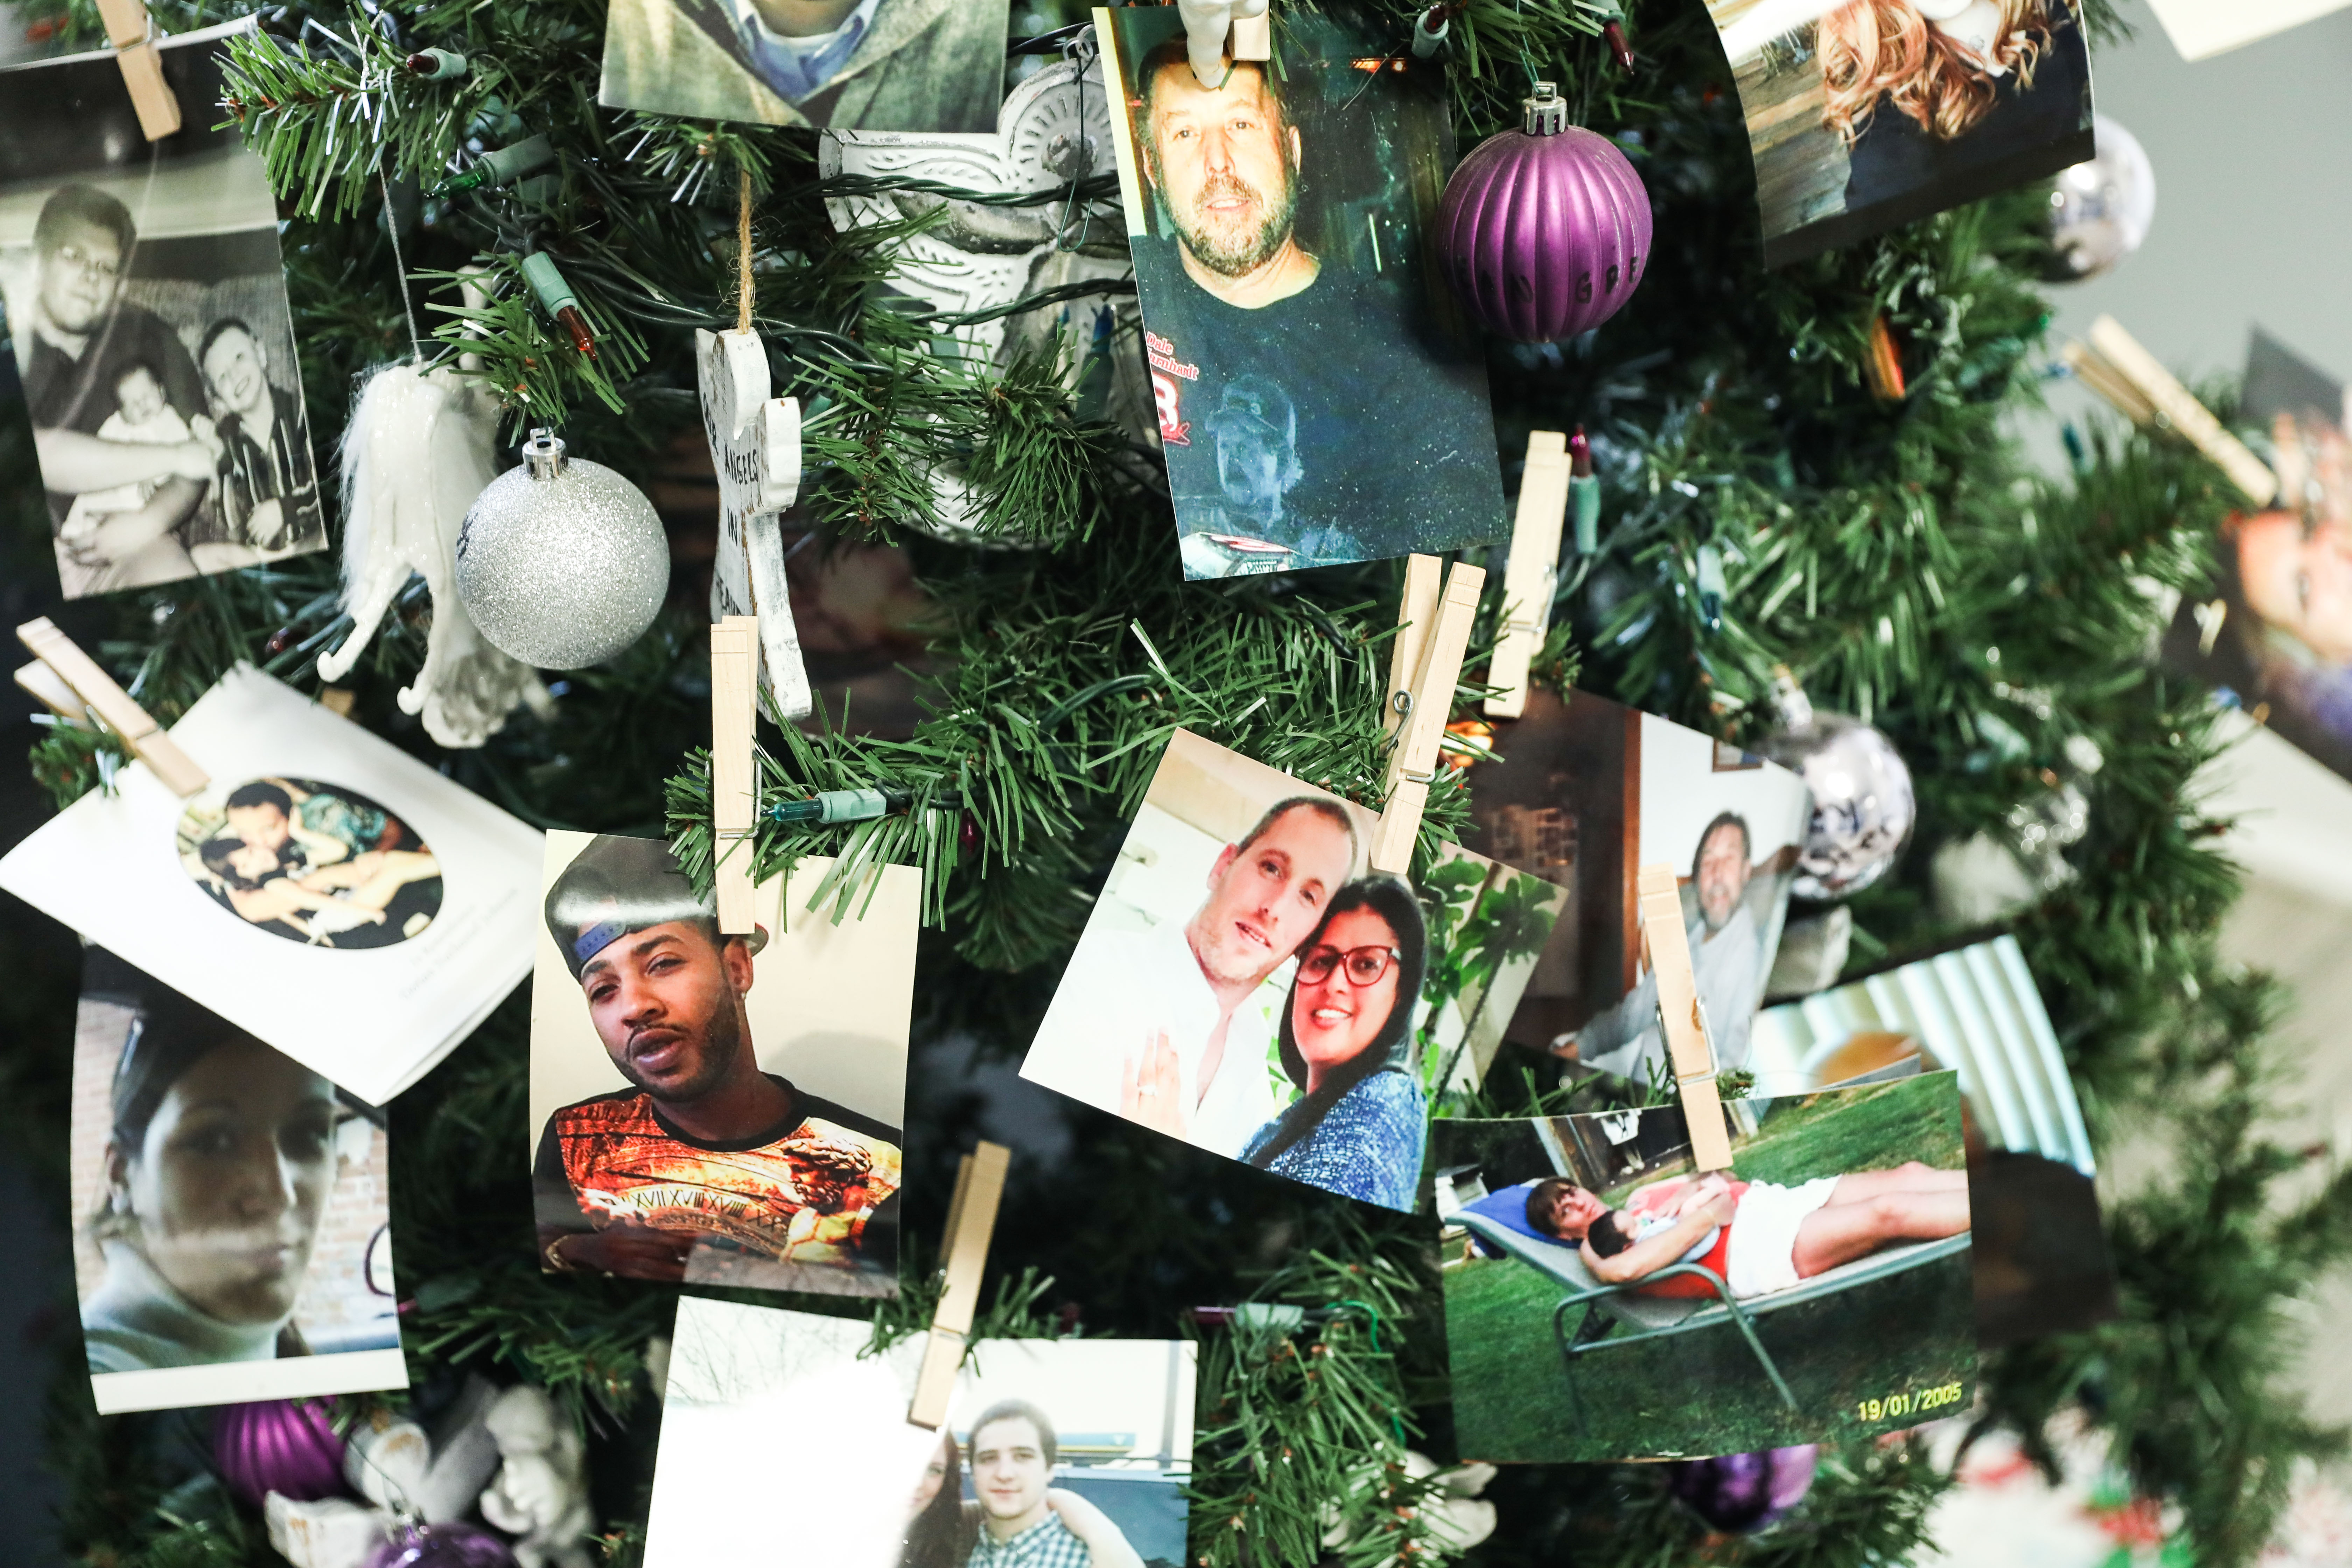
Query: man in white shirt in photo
pixel 1170 1026
pixel 1726 962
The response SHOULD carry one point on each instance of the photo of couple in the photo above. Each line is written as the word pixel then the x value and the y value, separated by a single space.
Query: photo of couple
pixel 312 862
pixel 1054 1453
pixel 1865 115
pixel 1581 793
pixel 1828 1267
pixel 671 1143
pixel 1248 984
pixel 1015 1517
pixel 2274 628
pixel 231 1204
pixel 148 312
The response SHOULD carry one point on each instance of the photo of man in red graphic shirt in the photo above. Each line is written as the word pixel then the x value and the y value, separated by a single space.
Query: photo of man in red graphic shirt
pixel 706 1165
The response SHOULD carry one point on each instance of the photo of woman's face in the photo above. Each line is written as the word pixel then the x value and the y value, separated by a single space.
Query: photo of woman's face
pixel 228 1185
pixel 1334 1018
pixel 2299 583
pixel 935 1475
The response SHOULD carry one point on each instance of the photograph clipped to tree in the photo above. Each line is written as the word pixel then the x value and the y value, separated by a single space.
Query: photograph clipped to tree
pixel 1062 484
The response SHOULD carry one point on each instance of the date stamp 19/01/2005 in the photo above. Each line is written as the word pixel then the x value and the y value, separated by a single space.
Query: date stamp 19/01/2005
pixel 1896 1406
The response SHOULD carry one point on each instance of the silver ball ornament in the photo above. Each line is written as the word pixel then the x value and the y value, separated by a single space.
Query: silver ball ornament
pixel 561 562
pixel 2101 209
pixel 1863 808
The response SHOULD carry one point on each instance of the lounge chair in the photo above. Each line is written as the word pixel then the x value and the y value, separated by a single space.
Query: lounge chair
pixel 1499 1221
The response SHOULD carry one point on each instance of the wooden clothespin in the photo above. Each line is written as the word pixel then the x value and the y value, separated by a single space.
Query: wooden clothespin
pixel 1439 627
pixel 99 696
pixel 1679 1016
pixel 1416 613
pixel 972 1220
pixel 52 693
pixel 1253 37
pixel 734 792
pixel 1533 570
pixel 2106 381
pixel 2115 366
pixel 130 31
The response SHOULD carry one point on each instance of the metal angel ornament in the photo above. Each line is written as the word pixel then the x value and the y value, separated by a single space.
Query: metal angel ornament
pixel 755 444
pixel 1054 129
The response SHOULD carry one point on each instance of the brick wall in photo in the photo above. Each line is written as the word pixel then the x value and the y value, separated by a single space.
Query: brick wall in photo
pixel 335 1299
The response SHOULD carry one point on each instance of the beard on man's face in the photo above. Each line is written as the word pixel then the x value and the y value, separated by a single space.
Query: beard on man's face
pixel 1237 246
pixel 704 1063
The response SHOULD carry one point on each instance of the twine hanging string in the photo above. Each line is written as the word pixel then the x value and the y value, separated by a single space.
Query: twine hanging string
pixel 392 231
pixel 743 287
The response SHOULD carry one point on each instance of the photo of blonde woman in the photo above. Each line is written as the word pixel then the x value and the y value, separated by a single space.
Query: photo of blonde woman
pixel 1868 114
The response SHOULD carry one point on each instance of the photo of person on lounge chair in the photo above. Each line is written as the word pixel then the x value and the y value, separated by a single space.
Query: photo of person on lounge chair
pixel 1606 1298
pixel 1757 1237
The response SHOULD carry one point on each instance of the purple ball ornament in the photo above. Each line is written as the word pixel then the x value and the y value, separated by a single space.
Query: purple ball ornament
pixel 1744 1492
pixel 283 1445
pixel 1543 232
pixel 416 1544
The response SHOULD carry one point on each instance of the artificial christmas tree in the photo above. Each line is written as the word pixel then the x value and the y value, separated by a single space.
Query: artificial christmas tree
pixel 1894 553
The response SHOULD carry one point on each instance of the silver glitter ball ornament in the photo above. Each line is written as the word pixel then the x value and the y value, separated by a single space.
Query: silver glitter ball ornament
pixel 561 562
pixel 1864 809
pixel 2100 210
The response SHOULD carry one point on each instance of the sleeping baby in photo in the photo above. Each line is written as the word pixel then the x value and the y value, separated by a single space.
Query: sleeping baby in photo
pixel 144 415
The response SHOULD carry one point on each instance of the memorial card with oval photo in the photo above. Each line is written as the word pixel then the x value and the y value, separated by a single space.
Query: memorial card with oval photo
pixel 1604 1300
pixel 1246 983
pixel 1865 115
pixel 1320 396
pixel 146 300
pixel 722 1109
pixel 324 889
pixel 232 1230
pixel 1054 1453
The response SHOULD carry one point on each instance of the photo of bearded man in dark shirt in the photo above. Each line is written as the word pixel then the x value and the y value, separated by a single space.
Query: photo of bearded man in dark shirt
pixel 706 1158
pixel 1313 408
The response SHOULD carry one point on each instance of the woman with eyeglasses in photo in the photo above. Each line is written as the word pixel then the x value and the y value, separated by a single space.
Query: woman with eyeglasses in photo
pixel 1345 1039
pixel 218 1166
pixel 1918 90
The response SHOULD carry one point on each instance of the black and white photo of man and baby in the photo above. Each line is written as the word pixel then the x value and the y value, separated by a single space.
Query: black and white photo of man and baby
pixel 167 449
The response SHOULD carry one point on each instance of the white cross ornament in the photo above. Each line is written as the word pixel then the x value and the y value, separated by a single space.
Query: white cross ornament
pixel 755 444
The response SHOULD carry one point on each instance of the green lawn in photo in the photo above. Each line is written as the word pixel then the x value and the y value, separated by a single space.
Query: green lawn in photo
pixel 1702 1392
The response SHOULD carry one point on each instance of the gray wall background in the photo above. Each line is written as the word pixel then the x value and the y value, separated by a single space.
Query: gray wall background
pixel 2253 152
